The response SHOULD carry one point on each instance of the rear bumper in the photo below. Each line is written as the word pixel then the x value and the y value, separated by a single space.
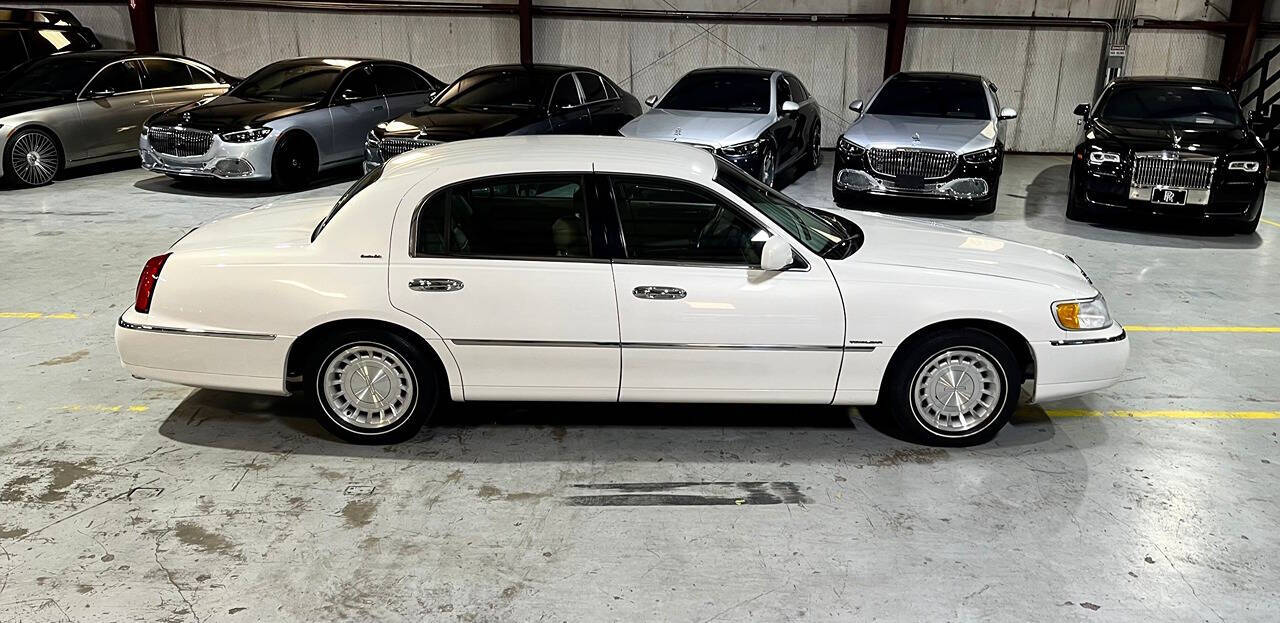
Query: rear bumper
pixel 1080 365
pixel 226 161
pixel 232 361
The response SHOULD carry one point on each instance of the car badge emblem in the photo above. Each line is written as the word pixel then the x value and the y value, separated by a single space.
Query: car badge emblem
pixel 916 137
pixel 186 116
pixel 1177 140
pixel 677 132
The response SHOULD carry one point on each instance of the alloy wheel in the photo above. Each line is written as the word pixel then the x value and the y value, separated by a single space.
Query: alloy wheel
pixel 370 387
pixel 816 145
pixel 766 168
pixel 34 158
pixel 957 390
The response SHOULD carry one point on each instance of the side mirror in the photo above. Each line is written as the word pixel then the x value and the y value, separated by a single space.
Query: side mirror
pixel 651 100
pixel 790 106
pixel 1008 113
pixel 97 93
pixel 776 255
pixel 856 106
pixel 1082 110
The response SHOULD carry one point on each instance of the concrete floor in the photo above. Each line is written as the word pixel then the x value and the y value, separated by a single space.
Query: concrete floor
pixel 124 500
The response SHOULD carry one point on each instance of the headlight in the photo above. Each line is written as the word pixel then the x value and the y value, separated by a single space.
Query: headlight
pixel 145 130
pixel 1099 157
pixel 982 156
pixel 246 136
pixel 849 148
pixel 1082 315
pixel 1248 166
pixel 372 139
pixel 742 149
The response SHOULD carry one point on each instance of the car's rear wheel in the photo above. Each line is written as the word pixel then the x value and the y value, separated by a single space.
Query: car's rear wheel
pixel 957 387
pixel 32 158
pixel 814 158
pixel 372 387
pixel 768 166
pixel 294 162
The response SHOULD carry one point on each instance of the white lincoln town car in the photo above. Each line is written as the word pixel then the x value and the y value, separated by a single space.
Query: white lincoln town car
pixel 574 268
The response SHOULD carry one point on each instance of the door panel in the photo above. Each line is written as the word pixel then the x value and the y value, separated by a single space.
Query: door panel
pixel 174 84
pixel 568 114
pixel 525 309
pixel 357 107
pixel 697 323
pixel 113 123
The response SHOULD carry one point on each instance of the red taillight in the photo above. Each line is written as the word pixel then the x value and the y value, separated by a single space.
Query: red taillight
pixel 147 283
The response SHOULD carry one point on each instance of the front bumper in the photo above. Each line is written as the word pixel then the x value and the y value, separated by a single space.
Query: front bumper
pixel 1080 364
pixel 231 361
pixel 967 183
pixel 223 160
pixel 1233 196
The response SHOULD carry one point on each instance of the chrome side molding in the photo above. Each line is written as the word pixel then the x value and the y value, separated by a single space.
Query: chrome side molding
pixel 240 335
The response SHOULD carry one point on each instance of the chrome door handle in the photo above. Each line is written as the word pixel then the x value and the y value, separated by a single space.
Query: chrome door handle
pixel 377 108
pixel 658 293
pixel 209 95
pixel 141 102
pixel 435 285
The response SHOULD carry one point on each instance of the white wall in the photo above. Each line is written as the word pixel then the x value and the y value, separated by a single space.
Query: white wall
pixel 238 41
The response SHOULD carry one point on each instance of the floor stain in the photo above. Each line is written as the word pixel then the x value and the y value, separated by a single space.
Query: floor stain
pixel 490 492
pixel 72 358
pixel 11 533
pixel 193 535
pixel 15 490
pixel 454 476
pixel 902 456
pixel 558 433
pixel 64 475
pixel 359 513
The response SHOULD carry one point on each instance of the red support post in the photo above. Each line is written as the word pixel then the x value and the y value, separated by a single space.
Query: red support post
pixel 896 38
pixel 525 12
pixel 142 15
pixel 1237 53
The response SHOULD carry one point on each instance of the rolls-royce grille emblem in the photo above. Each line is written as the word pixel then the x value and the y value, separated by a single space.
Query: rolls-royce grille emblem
pixel 1177 139
pixel 677 132
pixel 186 116
pixel 916 137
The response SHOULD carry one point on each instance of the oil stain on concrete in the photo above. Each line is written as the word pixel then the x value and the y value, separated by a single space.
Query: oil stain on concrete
pixel 193 535
pixel 72 358
pixel 359 513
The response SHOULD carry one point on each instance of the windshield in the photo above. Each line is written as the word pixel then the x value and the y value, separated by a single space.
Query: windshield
pixel 1171 104
pixel 825 234
pixel 719 92
pixel 494 89
pixel 289 82
pixel 51 76
pixel 361 184
pixel 951 98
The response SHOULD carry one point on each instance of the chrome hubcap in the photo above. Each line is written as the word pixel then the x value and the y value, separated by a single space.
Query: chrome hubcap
pixel 957 390
pixel 368 386
pixel 766 169
pixel 35 158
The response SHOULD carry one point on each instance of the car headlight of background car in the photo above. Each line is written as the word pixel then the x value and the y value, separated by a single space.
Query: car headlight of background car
pixel 982 156
pixel 1082 314
pixel 849 148
pixel 1248 166
pixel 1098 156
pixel 742 149
pixel 246 136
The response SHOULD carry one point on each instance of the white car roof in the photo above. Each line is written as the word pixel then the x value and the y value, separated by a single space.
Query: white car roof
pixel 510 154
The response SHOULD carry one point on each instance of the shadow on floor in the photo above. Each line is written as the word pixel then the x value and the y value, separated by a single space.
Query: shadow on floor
pixel 530 432
pixel 241 189
pixel 1046 206
pixel 110 166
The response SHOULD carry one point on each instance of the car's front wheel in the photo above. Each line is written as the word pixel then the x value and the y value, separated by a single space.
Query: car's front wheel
pixel 293 162
pixel 32 158
pixel 957 387
pixel 372 387
pixel 768 166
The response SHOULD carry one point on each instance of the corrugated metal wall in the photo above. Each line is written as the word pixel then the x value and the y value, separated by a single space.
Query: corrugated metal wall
pixel 239 41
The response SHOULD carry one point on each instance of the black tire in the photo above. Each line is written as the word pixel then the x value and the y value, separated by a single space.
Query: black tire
pixel 294 162
pixel 32 157
pixel 988 205
pixel 813 159
pixel 398 360
pixel 903 398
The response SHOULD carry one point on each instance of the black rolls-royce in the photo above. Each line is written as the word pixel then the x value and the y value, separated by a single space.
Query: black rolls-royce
pixel 1172 147
pixel 501 100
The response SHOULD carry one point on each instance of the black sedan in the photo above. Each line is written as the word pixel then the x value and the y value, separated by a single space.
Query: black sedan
pixel 501 100
pixel 1172 147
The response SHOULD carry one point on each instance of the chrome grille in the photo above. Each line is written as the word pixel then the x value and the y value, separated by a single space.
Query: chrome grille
pixel 925 163
pixel 180 141
pixel 1155 170
pixel 396 145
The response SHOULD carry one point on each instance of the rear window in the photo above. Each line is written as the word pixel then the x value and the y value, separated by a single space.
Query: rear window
pixel 951 98
pixel 361 184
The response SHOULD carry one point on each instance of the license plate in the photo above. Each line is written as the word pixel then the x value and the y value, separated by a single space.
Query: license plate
pixel 909 181
pixel 1169 196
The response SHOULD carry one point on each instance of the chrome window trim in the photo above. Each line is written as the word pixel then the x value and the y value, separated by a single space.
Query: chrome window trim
pixel 80 96
pixel 583 94
pixel 243 335
pixel 577 85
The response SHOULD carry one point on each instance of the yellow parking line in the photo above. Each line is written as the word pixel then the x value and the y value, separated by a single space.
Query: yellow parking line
pixel 37 315
pixel 1150 329
pixel 1171 415
pixel 1271 222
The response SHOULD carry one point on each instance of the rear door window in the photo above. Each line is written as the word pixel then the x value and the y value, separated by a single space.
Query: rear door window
pixel 161 74
pixel 592 88
pixel 535 217
pixel 117 78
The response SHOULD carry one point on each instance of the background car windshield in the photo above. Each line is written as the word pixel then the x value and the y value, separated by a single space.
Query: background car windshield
pixel 52 76
pixel 1171 104
pixel 820 233
pixel 712 92
pixel 932 97
pixel 499 89
pixel 289 82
